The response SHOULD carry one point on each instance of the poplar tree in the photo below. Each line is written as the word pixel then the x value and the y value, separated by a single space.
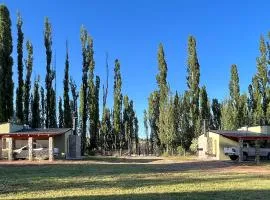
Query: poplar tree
pixel 6 62
pixel 176 120
pixel 185 118
pixel 27 85
pixel 163 93
pixel 50 75
pixel 234 89
pixel 67 111
pixel 136 134
pixel 86 43
pixel 153 117
pixel 36 106
pixel 42 95
pixel 262 78
pixel 92 97
pixel 96 113
pixel 145 122
pixel 53 118
pixel 75 95
pixel 216 111
pixel 193 80
pixel 117 104
pixel 19 91
pixel 204 105
pixel 60 114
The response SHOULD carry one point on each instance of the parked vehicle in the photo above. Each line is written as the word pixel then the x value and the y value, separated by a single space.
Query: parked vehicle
pixel 39 152
pixel 248 151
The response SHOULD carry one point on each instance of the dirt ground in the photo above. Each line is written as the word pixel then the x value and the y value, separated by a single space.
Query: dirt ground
pixel 162 163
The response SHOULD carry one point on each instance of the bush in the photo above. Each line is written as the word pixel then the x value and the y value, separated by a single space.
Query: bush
pixel 180 151
pixel 194 146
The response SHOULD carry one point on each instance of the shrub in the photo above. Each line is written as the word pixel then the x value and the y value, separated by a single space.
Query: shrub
pixel 194 146
pixel 180 151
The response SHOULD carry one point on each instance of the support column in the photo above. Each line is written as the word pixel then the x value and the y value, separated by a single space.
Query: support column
pixel 51 157
pixel 10 148
pixel 30 147
pixel 240 150
pixel 257 152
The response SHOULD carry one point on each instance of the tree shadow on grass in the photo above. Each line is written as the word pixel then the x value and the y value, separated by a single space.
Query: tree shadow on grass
pixel 207 195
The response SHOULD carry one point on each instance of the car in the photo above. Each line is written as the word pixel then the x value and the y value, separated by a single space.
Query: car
pixel 39 152
pixel 248 151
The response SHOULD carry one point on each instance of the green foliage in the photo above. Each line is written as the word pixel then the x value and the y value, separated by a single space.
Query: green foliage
pixel 228 116
pixel 180 151
pixel 193 80
pixel 50 75
pixel 42 107
pixel 117 103
pixel 60 114
pixel 36 106
pixel 67 123
pixel 216 115
pixel 194 145
pixel 6 62
pixel 87 45
pixel 19 91
pixel 75 95
pixel 27 85
pixel 153 117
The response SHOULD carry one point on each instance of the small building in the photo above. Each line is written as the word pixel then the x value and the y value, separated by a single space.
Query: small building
pixel 211 144
pixel 56 142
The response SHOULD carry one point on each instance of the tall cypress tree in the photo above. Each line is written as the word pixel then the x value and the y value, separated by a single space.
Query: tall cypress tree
pixel 27 85
pixel 6 62
pixel 117 104
pixel 193 80
pixel 36 106
pixel 50 75
pixel 60 114
pixel 67 110
pixel 19 91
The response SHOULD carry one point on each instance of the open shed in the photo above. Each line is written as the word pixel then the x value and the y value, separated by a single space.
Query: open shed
pixel 56 142
pixel 211 145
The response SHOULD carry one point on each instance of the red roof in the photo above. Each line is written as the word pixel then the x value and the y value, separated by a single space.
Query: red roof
pixel 37 133
pixel 236 135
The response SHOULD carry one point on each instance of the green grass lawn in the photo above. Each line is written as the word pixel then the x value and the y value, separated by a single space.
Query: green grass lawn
pixel 135 179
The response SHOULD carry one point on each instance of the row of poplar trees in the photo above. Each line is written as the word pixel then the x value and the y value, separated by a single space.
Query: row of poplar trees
pixel 177 120
pixel 37 106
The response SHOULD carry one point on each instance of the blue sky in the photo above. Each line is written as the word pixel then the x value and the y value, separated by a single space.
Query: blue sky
pixel 227 32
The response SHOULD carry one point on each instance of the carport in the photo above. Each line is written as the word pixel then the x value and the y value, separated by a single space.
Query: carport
pixel 241 136
pixel 52 136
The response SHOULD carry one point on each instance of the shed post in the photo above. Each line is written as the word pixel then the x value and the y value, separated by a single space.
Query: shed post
pixel 51 158
pixel 257 152
pixel 10 148
pixel 240 150
pixel 30 147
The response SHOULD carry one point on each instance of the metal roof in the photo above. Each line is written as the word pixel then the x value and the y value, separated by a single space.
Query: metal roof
pixel 246 135
pixel 37 132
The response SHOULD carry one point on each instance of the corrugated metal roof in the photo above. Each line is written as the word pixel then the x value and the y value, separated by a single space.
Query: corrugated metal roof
pixel 241 134
pixel 38 132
